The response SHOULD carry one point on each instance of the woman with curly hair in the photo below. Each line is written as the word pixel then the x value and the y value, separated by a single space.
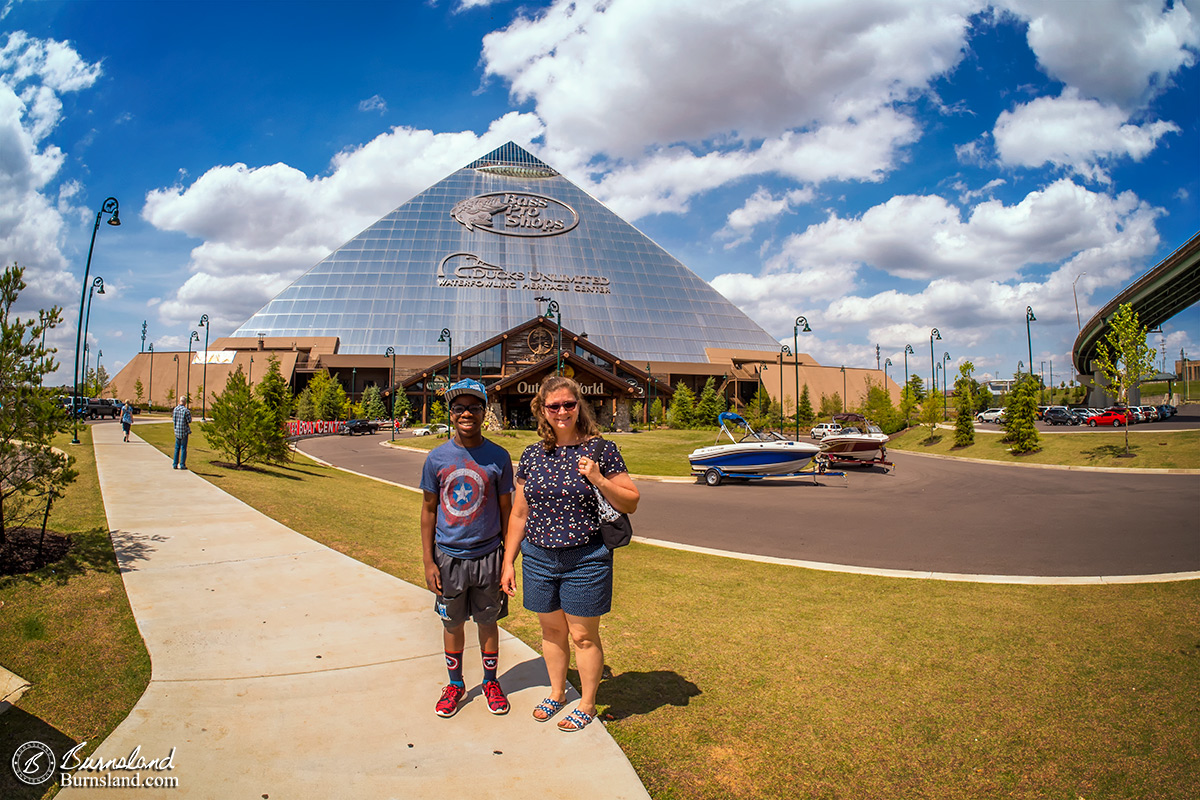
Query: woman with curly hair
pixel 566 567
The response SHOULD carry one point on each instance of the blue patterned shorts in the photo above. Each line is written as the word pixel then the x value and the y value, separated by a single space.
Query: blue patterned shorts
pixel 578 580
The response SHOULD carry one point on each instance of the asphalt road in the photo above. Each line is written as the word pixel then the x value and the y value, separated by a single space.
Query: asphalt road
pixel 927 514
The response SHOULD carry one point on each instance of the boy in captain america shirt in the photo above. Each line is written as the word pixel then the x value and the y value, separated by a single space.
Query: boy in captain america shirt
pixel 468 490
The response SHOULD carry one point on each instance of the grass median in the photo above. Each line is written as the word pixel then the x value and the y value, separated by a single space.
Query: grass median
pixel 68 630
pixel 736 679
pixel 1149 448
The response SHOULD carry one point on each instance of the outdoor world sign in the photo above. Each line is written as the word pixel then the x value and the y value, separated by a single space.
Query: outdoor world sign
pixel 469 271
pixel 525 214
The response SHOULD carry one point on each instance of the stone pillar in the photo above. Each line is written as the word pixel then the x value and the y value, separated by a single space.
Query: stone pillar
pixel 623 405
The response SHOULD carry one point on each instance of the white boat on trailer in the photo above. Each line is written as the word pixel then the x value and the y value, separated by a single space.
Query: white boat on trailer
pixel 753 455
pixel 858 441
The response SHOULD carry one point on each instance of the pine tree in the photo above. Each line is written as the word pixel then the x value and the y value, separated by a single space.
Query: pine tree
pixel 964 405
pixel 403 407
pixel 276 396
pixel 372 403
pixel 1020 413
pixel 683 407
pixel 830 405
pixel 931 414
pixel 806 409
pixel 656 411
pixel 138 391
pixel 709 406
pixel 241 426
pixel 32 472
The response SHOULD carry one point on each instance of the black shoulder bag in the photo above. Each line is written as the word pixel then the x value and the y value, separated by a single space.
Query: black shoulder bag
pixel 615 527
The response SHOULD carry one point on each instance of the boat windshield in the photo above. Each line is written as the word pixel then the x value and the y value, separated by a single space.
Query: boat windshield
pixel 851 431
pixel 874 429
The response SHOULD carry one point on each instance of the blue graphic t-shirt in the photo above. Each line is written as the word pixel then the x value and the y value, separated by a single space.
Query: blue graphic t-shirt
pixel 562 504
pixel 469 484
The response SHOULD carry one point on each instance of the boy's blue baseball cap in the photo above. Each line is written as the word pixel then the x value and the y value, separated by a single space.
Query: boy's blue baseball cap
pixel 467 386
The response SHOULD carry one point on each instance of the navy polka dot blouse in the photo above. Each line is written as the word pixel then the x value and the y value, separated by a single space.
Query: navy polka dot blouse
pixel 562 503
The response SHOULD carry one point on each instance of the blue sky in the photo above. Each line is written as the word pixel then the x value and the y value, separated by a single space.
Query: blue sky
pixel 882 168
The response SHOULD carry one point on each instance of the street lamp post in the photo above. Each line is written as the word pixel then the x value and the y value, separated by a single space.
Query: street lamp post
pixel 176 358
pixel 887 362
pixel 110 207
pixel 945 386
pixel 1029 317
pixel 99 385
pixel 195 337
pixel 1076 296
pixel 250 376
pixel 150 402
pixel 86 386
pixel 449 340
pixel 933 334
pixel 801 325
pixel 650 387
pixel 391 351
pixel 783 350
pixel 1042 375
pixel 843 388
pixel 908 348
pixel 204 371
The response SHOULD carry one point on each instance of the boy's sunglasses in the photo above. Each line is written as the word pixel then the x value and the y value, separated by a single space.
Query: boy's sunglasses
pixel 567 406
pixel 474 408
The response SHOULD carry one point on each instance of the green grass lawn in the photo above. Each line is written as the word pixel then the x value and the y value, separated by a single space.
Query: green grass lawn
pixel 69 631
pixel 1151 449
pixel 659 452
pixel 734 679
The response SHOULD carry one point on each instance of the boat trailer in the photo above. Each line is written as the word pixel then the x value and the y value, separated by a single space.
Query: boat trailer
pixel 880 462
pixel 712 476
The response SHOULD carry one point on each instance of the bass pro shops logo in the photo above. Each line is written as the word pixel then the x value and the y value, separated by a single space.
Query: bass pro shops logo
pixel 524 214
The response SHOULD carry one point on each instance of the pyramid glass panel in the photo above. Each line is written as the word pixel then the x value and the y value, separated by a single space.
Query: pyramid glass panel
pixel 487 248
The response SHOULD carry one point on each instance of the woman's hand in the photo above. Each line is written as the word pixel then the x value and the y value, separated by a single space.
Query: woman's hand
pixel 589 469
pixel 508 579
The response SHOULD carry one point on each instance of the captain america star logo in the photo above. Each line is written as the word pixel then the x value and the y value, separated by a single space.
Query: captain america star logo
pixel 462 492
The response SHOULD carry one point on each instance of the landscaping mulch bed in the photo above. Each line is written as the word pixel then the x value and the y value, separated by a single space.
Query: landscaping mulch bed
pixel 24 550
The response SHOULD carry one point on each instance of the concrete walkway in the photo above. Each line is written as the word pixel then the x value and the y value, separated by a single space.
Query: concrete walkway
pixel 284 669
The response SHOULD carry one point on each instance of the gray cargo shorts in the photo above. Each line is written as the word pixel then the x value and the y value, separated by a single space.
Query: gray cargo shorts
pixel 470 588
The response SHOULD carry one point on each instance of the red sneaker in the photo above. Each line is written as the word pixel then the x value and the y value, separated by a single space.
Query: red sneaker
pixel 497 702
pixel 448 705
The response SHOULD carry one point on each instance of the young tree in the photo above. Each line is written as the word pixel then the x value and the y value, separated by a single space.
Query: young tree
pixel 276 396
pixel 241 426
pixel 830 405
pixel 32 472
pixel 1020 413
pixel 964 404
pixel 138 391
pixel 372 403
pixel 931 414
pixel 877 407
pixel 635 412
pixel 806 409
pixel 1124 357
pixel 656 411
pixel 403 407
pixel 683 407
pixel 708 406
pixel 170 397
pixel 437 413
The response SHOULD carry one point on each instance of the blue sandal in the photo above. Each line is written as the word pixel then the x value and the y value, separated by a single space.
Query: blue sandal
pixel 575 721
pixel 549 708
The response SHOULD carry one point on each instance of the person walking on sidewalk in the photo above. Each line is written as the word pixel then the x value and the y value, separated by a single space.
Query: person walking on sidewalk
pixel 126 418
pixel 183 428
pixel 467 484
pixel 566 566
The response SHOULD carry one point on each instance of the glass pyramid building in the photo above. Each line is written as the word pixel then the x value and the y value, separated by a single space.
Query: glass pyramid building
pixel 485 250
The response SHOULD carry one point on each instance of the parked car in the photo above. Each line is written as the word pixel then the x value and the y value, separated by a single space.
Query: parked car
pixel 1116 417
pixel 430 430
pixel 823 429
pixel 98 407
pixel 1149 413
pixel 1041 412
pixel 1165 411
pixel 991 415
pixel 1083 414
pixel 1059 416
pixel 80 406
pixel 360 426
pixel 1171 410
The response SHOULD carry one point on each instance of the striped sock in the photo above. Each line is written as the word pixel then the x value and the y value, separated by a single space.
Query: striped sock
pixel 454 667
pixel 490 662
